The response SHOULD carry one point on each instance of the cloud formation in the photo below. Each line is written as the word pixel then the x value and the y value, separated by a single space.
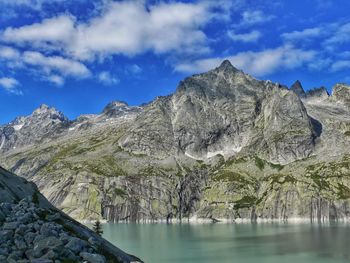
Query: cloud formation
pixel 127 27
pixel 256 63
pixel 10 85
pixel 252 36
pixel 51 68
pixel 302 35
pixel 252 17
pixel 107 78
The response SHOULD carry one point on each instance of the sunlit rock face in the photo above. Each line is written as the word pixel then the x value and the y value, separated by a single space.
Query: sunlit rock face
pixel 223 145
pixel 224 112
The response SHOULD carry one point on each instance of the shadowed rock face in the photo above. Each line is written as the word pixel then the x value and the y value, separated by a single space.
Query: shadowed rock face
pixel 298 88
pixel 224 145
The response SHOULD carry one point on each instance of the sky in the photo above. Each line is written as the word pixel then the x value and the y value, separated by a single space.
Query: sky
pixel 79 55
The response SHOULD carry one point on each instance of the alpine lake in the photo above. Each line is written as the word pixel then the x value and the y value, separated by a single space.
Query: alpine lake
pixel 224 243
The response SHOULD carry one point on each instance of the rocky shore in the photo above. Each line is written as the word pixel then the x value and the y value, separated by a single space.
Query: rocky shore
pixel 34 231
pixel 31 234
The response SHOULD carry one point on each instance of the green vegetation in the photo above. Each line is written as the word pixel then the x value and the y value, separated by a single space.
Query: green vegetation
pixel 229 176
pixel 281 179
pixel 246 202
pixel 119 192
pixel 343 191
pixel 276 166
pixel 259 163
pixel 347 133
pixel 98 228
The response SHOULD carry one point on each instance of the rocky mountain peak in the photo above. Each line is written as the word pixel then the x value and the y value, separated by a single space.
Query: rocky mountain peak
pixel 298 88
pixel 226 66
pixel 341 92
pixel 320 93
pixel 44 111
pixel 114 105
pixel 118 108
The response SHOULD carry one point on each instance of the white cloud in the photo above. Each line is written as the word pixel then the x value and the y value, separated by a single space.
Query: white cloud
pixel 256 63
pixel 252 36
pixel 107 78
pixel 9 53
pixel 319 64
pixel 10 85
pixel 127 27
pixel 340 36
pixel 340 65
pixel 253 17
pixel 33 4
pixel 55 79
pixel 50 68
pixel 53 30
pixel 134 69
pixel 49 64
pixel 302 35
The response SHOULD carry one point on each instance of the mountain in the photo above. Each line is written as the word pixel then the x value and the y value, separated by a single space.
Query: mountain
pixel 298 88
pixel 223 146
pixel 31 229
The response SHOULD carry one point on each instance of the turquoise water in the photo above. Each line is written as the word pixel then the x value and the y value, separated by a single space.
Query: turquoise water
pixel 243 243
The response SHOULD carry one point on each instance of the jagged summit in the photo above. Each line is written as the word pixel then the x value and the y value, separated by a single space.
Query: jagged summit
pixel 317 93
pixel 46 112
pixel 226 66
pixel 341 92
pixel 118 108
pixel 298 88
pixel 114 104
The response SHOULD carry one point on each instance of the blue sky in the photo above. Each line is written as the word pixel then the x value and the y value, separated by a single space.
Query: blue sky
pixel 79 55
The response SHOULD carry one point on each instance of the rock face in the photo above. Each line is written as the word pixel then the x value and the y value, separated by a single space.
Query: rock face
pixel 224 145
pixel 43 124
pixel 298 89
pixel 32 230
pixel 223 112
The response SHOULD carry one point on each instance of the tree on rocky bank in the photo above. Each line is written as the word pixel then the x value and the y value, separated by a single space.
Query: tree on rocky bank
pixel 98 228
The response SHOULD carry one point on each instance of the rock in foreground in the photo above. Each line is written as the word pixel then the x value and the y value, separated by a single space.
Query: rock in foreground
pixel 31 230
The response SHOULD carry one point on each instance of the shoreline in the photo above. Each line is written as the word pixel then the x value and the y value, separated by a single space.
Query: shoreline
pixel 202 221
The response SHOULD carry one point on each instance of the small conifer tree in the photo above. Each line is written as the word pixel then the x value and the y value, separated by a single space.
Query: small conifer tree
pixel 98 228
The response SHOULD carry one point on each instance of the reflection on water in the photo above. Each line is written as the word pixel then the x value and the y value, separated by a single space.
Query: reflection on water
pixel 243 243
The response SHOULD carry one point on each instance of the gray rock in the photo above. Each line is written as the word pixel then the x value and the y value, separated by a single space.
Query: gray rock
pixel 76 245
pixel 2 216
pixel 50 255
pixel 21 229
pixel 93 258
pixel 10 225
pixel 4 251
pixel 44 245
pixel 41 260
pixel 20 243
pixel 6 235
pixel 29 237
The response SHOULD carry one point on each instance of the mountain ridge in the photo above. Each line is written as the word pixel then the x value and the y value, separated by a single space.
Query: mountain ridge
pixel 217 147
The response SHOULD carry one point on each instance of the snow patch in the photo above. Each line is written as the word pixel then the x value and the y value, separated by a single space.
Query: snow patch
pixel 18 127
pixel 212 154
pixel 225 152
pixel 191 156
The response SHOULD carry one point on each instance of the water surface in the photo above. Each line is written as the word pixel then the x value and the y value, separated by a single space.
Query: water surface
pixel 243 243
